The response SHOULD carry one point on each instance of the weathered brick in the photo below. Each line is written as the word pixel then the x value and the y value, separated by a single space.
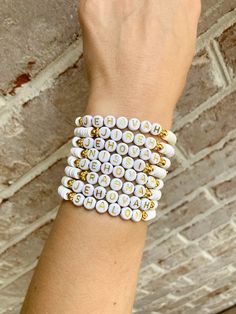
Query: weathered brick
pixel 30 203
pixel 225 189
pixel 227 248
pixel 212 297
pixel 33 34
pixel 209 128
pixel 228 47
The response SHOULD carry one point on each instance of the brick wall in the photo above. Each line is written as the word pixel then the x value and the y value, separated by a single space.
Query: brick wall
pixel 189 263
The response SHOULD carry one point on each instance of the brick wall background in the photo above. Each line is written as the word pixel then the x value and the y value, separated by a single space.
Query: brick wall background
pixel 189 263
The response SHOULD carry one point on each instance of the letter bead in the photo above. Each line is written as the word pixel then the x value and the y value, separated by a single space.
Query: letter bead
pixel 139 190
pixel 150 142
pixel 93 154
pixel 128 188
pixel 116 184
pixel 136 215
pixel 127 162
pixel 104 132
pixel 145 154
pixel 156 194
pixel 155 158
pixel 63 192
pixel 145 126
pixel 134 124
pixel 118 172
pixel 77 186
pixel 134 151
pixel 87 120
pixel 135 202
pixel 99 143
pixel 71 160
pixel 141 178
pixel 112 196
pixel 109 121
pixel 122 149
pixel 88 142
pixel 115 159
pixel 110 146
pixel 128 137
pixel 145 204
pixel 155 129
pixel 92 178
pixel 122 122
pixel 151 182
pixel 78 199
pixel 123 200
pixel 76 151
pixel 97 121
pixel 130 174
pixel 107 168
pixel 102 206
pixel 149 215
pixel 72 172
pixel 95 165
pixel 88 190
pixel 104 180
pixel 139 139
pixel 139 165
pixel 114 209
pixel 89 202
pixel 126 213
pixel 84 164
pixel 116 135
pixel 99 192
pixel 104 156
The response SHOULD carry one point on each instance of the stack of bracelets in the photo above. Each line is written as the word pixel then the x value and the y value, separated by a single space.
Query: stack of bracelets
pixel 117 165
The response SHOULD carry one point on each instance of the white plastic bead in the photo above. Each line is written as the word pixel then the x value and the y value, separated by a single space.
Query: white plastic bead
pixel 167 163
pixel 74 141
pixel 104 132
pixel 139 139
pixel 104 156
pixel 106 168
pixel 83 132
pixel 135 202
pixel 126 213
pixel 76 151
pixel 128 188
pixel 151 182
pixel 93 153
pixel 115 159
pixel 64 181
pixel 141 178
pixel 116 184
pixel 139 165
pixel 134 124
pixel 134 151
pixel 97 121
pixel 114 209
pixel 101 206
pixel 88 190
pixel 116 135
pixel 72 172
pixel 127 162
pixel 95 165
pixel 130 174
pixel 87 120
pixel 112 196
pixel 89 202
pixel 155 204
pixel 136 215
pixel 110 121
pixel 110 146
pixel 145 154
pixel 158 172
pixel 77 121
pixel 78 200
pixel 99 143
pixel 77 186
pixel 160 184
pixel 139 190
pixel 84 164
pixel 122 122
pixel 170 138
pixel 155 158
pixel 118 171
pixel 99 192
pixel 151 214
pixel 123 200
pixel 167 150
pixel 155 129
pixel 145 204
pixel 92 178
pixel 88 142
pixel 128 137
pixel 63 192
pixel 122 149
pixel 145 126
pixel 150 142
pixel 156 194
pixel 71 161
pixel 104 180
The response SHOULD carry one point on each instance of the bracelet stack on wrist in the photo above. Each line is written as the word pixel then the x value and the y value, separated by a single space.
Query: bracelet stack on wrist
pixel 117 165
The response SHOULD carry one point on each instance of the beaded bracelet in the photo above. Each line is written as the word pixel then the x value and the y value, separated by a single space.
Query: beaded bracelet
pixel 115 170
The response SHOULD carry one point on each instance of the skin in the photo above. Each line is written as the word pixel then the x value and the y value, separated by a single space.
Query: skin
pixel 137 54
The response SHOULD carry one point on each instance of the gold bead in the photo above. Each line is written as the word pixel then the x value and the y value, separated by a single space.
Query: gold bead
pixel 163 133
pixel 80 142
pixel 162 162
pixel 144 215
pixel 159 146
pixel 148 193
pixel 80 121
pixel 157 182
pixel 71 195
pixel 84 153
pixel 77 163
pixel 152 204
pixel 148 168
pixel 95 132
pixel 83 175
pixel 70 182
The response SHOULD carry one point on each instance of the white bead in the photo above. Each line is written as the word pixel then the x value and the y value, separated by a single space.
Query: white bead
pixel 134 124
pixel 115 159
pixel 99 192
pixel 118 171
pixel 107 168
pixel 158 172
pixel 139 190
pixel 139 165
pixel 75 140
pixel 64 181
pixel 151 182
pixel 76 151
pixel 126 213
pixel 145 204
pixel 89 202
pixel 87 120
pixel 155 129
pixel 71 161
pixel 110 121
pixel 102 206
pixel 128 188
pixel 170 138
pixel 127 162
pixel 145 154
pixel 72 172
pixel 135 202
pixel 88 142
pixel 167 150
pixel 136 215
pixel 88 190
pixel 116 184
pixel 123 200
pixel 93 153
pixel 139 139
pixel 155 204
pixel 167 164
pixel 130 174
pixel 150 142
pixel 145 126
pixel 151 214
pixel 141 178
pixel 77 121
pixel 155 158
pixel 114 209
pixel 104 132
pixel 128 137
pixel 95 165
pixel 122 149
pixel 92 178
pixel 77 186
pixel 83 132
pixel 112 196
pixel 99 143
pixel 156 194
pixel 134 151
pixel 97 121
pixel 104 156
pixel 84 164
pixel 160 184
pixel 122 122
pixel 63 192
pixel 110 146
pixel 78 200
pixel 104 180
pixel 116 135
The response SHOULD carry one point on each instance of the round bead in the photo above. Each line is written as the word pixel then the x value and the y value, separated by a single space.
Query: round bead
pixel 95 165
pixel 88 142
pixel 107 168
pixel 122 122
pixel 116 184
pixel 128 137
pixel 114 209
pixel 110 146
pixel 123 200
pixel 87 120
pixel 156 194
pixel 145 204
pixel 102 206
pixel 145 126
pixel 136 215
pixel 63 192
pixel 139 139
pixel 97 121
pixel 110 121
pixel 158 172
pixel 72 172
pixel 134 124
pixel 134 151
pixel 135 202
pixel 141 178
pixel 104 132
pixel 92 178
pixel 145 154
pixel 122 149
pixel 155 129
pixel 151 182
pixel 118 172
pixel 76 151
pixel 78 199
pixel 130 174
pixel 84 164
pixel 155 158
pixel 89 202
pixel 150 142
pixel 127 162
pixel 116 135
pixel 65 181
pixel 139 165
pixel 126 213
pixel 150 214
pixel 115 159
pixel 159 184
pixel 167 150
pixel 128 188
pixel 93 153
pixel 77 121
pixel 112 196
pixel 99 192
pixel 77 186
pixel 167 163
pixel 71 161
pixel 104 156
pixel 139 190
pixel 99 143
pixel 170 138
pixel 88 190
pixel 104 180
pixel 75 141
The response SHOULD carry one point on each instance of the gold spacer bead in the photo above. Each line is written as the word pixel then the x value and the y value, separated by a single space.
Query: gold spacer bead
pixel 83 175
pixel 162 162
pixel 70 182
pixel 80 142
pixel 80 121
pixel 157 182
pixel 159 146
pixel 95 132
pixel 77 163
pixel 152 204
pixel 84 153
pixel 148 193
pixel 144 215
pixel 71 195
pixel 148 168
pixel 163 133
